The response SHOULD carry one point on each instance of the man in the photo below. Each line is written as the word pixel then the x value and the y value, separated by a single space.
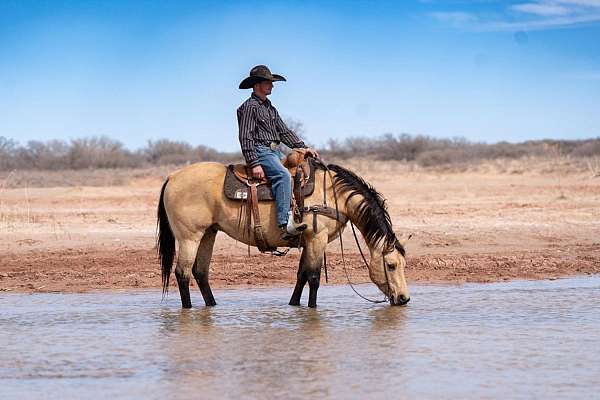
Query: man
pixel 261 132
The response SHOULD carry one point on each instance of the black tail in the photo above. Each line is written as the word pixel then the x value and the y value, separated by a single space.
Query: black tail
pixel 165 242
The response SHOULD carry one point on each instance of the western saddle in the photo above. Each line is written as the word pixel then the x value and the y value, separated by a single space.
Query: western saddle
pixel 240 185
pixel 239 178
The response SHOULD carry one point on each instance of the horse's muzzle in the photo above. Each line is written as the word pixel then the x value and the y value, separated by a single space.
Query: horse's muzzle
pixel 399 300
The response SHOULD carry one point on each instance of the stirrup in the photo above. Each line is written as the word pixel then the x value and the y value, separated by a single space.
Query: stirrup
pixel 287 236
pixel 293 228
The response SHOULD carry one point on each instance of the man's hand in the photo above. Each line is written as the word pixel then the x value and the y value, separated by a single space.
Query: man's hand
pixel 258 173
pixel 310 152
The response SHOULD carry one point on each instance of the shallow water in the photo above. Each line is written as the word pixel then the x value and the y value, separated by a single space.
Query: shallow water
pixel 526 339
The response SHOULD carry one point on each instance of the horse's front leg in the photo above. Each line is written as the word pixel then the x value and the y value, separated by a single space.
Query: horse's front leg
pixel 314 280
pixel 309 271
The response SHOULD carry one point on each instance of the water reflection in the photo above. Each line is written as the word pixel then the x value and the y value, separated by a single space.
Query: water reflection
pixel 243 352
pixel 504 340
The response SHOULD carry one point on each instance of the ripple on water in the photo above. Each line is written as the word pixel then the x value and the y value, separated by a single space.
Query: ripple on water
pixel 517 340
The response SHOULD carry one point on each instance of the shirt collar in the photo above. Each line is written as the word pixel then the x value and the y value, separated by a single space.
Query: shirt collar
pixel 266 102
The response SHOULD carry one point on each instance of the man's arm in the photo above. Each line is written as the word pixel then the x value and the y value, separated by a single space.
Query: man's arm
pixel 247 123
pixel 289 138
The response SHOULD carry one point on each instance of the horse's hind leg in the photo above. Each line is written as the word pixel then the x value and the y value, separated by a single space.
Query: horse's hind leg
pixel 201 266
pixel 183 271
pixel 301 280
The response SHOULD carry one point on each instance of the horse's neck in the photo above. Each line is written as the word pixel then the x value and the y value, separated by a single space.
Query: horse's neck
pixel 349 210
pixel 350 206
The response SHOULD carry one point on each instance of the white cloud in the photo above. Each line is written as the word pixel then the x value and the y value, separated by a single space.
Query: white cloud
pixel 585 3
pixel 532 15
pixel 541 9
pixel 539 24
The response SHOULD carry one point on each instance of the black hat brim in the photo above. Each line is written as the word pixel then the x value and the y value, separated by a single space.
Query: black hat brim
pixel 249 82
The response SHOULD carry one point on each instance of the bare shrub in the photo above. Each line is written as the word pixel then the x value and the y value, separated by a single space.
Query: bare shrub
pixel 103 152
pixel 99 152
pixel 589 148
pixel 165 151
pixel 51 155
pixel 593 165
pixel 427 151
pixel 435 157
pixel 295 126
pixel 8 148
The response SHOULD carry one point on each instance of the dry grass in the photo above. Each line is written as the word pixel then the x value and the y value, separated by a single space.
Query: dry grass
pixel 593 165
pixel 106 162
pixel 86 177
pixel 487 221
pixel 542 165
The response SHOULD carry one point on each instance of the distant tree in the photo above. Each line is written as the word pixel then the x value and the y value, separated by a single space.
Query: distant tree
pixel 104 152
pixel 166 151
pixel 99 152
pixel 295 126
pixel 8 148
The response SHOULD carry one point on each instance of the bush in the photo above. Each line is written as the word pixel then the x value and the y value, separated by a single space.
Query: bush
pixel 589 148
pixel 165 151
pixel 8 149
pixel 428 151
pixel 103 152
pixel 51 155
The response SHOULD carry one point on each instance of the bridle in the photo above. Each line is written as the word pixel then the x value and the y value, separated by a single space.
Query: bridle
pixel 383 253
pixel 387 250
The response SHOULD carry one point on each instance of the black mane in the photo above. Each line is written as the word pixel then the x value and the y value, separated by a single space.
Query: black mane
pixel 371 215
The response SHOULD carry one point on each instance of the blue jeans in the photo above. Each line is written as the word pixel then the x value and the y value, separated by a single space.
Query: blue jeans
pixel 280 178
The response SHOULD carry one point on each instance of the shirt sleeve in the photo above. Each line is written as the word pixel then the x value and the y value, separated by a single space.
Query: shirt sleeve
pixel 247 124
pixel 288 137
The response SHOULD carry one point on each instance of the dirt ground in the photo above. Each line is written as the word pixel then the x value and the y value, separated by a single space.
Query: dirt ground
pixel 494 223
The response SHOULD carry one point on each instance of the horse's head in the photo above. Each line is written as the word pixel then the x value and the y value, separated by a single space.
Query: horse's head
pixel 386 269
pixel 366 209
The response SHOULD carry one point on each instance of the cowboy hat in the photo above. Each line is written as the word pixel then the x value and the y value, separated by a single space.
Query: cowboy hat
pixel 258 74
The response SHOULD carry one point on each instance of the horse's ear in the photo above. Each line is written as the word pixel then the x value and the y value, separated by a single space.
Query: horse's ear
pixel 404 238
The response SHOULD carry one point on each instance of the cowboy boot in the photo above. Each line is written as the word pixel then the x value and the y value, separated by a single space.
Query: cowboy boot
pixel 292 228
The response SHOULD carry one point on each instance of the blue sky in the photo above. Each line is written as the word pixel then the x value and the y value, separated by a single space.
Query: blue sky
pixel 140 70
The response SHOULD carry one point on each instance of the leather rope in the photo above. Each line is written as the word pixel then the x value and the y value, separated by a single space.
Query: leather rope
pixel 259 236
pixel 387 282
pixel 326 172
pixel 263 246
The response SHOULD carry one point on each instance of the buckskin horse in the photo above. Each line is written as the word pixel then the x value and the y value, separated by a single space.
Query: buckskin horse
pixel 193 207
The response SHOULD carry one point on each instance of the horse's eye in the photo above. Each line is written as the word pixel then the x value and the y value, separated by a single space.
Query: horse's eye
pixel 391 267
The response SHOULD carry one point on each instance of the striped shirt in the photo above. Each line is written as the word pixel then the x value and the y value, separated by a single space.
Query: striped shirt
pixel 260 123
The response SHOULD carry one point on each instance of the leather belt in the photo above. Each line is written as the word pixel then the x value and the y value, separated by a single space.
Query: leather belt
pixel 327 212
pixel 272 144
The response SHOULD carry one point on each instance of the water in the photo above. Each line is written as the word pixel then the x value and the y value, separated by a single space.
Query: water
pixel 526 339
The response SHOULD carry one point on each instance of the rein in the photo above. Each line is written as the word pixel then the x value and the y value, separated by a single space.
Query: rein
pixel 387 281
pixel 326 172
pixel 340 220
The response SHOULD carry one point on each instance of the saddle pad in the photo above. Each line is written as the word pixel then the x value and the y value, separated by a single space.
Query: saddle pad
pixel 235 189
